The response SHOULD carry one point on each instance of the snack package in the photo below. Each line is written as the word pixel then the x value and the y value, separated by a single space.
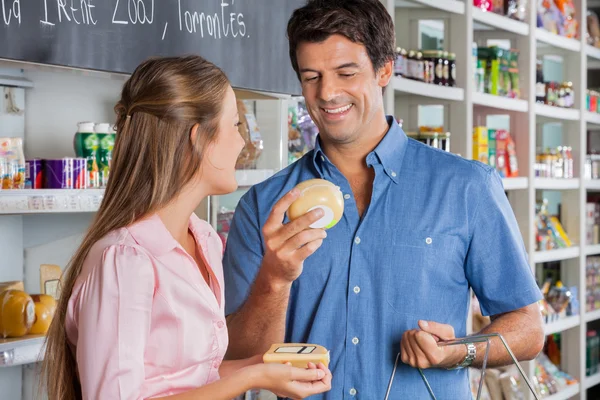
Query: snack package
pixel 593 33
pixel 249 130
pixel 549 16
pixel 516 9
pixel 568 23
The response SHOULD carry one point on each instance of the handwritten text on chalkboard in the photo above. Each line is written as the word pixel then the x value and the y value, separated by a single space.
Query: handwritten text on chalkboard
pixel 224 23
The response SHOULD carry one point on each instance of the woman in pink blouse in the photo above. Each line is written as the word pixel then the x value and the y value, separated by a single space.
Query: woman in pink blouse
pixel 141 313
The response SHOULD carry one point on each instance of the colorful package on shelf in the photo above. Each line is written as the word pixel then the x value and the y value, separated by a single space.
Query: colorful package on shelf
pixel 549 232
pixel 512 384
pixel 485 5
pixel 480 144
pixel 549 379
pixel 302 132
pixel 592 353
pixel 549 16
pixel 516 9
pixel 592 293
pixel 569 23
pixel 593 33
pixel 249 130
pixel 224 218
pixel 12 163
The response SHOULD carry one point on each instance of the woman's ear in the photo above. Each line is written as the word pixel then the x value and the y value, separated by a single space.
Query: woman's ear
pixel 194 133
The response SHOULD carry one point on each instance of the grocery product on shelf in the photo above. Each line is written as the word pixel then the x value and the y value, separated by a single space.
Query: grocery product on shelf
pixel 592 97
pixel 434 136
pixel 558 17
pixel 106 144
pixel 549 379
pixel 249 130
pixel 436 67
pixel 554 94
pixel 12 163
pixel 515 9
pixel 592 36
pixel 224 218
pixel 592 353
pixel 497 72
pixel 559 301
pixel 554 163
pixel 592 278
pixel 496 148
pixel 549 232
pixel 302 131
pixel 86 146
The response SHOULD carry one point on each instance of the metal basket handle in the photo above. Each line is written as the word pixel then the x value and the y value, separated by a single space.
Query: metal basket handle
pixel 484 338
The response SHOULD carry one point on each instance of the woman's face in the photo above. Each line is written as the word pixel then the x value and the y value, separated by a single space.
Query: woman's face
pixel 218 165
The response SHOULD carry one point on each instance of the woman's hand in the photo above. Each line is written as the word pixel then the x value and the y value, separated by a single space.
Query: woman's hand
pixel 294 383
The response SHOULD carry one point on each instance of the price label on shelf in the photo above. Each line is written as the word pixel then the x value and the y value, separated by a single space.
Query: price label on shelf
pixel 73 203
pixel 36 203
pixel 51 203
pixel 96 200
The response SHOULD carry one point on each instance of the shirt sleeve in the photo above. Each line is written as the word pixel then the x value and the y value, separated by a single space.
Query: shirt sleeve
pixel 497 266
pixel 114 322
pixel 243 254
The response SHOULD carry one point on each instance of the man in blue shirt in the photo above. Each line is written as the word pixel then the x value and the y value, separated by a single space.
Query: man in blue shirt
pixel 420 228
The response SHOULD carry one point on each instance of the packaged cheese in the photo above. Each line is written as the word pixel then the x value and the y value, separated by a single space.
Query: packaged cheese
pixel 298 354
pixel 17 313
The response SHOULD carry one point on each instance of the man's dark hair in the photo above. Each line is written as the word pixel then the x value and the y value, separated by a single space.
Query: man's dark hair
pixel 362 21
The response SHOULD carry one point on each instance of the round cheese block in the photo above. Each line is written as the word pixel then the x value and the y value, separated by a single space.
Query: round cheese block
pixel 43 318
pixel 45 299
pixel 17 313
pixel 318 193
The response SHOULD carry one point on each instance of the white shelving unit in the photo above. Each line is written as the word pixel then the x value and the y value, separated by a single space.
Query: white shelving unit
pixel 528 120
pixel 592 316
pixel 556 255
pixel 568 393
pixel 591 381
pixel 416 88
pixel 562 325
pixel 515 183
pixel 500 103
pixel 556 184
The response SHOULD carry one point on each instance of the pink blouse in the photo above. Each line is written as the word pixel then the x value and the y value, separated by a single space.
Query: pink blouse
pixel 142 320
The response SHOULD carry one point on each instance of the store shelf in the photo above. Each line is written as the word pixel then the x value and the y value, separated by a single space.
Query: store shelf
pixel 544 36
pixel 565 394
pixel 502 103
pixel 592 184
pixel 251 177
pixel 515 183
pixel 40 201
pixel 591 381
pixel 592 315
pixel 404 86
pixel 562 325
pixel 592 52
pixel 559 113
pixel 451 6
pixel 15 81
pixel 20 351
pixel 592 118
pixel 500 22
pixel 556 184
pixel 592 249
pixel 556 255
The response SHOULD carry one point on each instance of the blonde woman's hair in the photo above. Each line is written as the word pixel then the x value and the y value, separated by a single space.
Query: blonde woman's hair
pixel 153 159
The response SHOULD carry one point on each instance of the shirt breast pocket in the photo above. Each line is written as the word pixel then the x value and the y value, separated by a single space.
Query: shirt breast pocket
pixel 423 268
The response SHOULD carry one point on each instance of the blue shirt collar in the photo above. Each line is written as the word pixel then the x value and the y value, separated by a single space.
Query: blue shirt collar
pixel 389 152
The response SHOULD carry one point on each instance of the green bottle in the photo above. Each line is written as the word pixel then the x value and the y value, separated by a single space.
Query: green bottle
pixel 106 141
pixel 86 146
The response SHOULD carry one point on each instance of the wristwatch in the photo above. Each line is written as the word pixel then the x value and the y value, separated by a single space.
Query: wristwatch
pixel 471 354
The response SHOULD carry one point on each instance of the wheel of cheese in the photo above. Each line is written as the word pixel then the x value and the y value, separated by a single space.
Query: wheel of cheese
pixel 17 313
pixel 318 193
pixel 43 318
pixel 47 300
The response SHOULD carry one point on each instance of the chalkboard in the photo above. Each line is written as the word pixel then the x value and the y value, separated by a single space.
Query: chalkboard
pixel 246 38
